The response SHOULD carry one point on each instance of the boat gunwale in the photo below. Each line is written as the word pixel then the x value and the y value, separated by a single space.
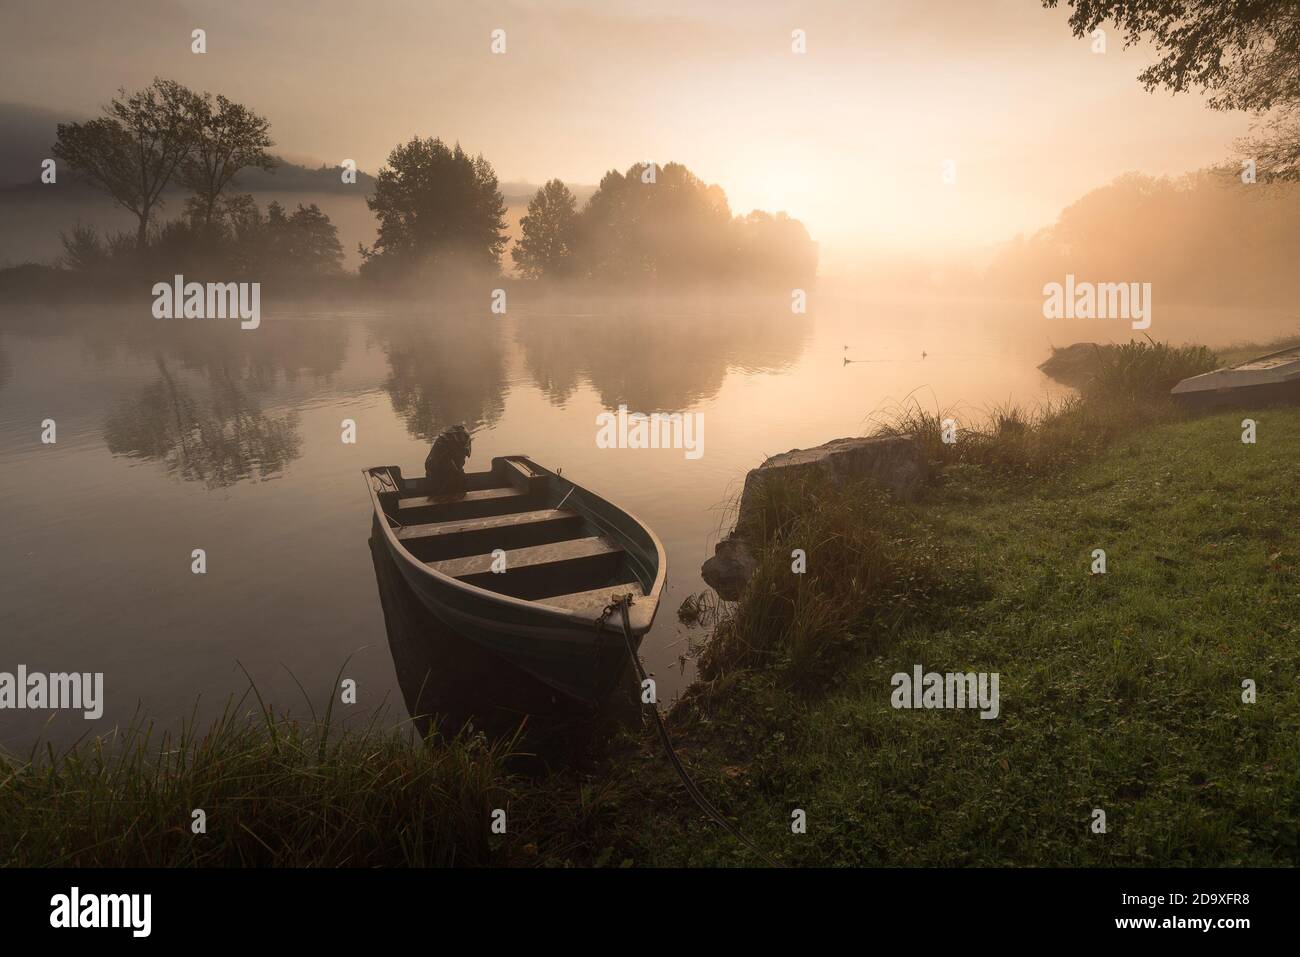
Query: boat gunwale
pixel 560 615
pixel 1271 355
pixel 1204 380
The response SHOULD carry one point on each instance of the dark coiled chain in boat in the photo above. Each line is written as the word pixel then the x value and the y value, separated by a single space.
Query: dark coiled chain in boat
pixel 621 603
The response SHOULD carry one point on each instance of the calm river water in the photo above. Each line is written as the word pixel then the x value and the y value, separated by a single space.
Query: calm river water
pixel 179 435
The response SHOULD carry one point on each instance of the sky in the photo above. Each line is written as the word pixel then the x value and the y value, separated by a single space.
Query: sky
pixel 851 136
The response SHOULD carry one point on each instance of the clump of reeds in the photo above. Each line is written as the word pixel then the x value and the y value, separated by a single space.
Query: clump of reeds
pixel 1140 371
pixel 702 609
pixel 1018 439
pixel 1128 388
pixel 1148 368
pixel 274 791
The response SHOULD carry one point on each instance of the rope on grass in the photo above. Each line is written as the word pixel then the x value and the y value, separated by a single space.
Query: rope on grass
pixel 622 603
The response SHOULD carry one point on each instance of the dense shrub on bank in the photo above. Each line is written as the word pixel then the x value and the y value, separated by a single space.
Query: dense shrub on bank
pixel 240 240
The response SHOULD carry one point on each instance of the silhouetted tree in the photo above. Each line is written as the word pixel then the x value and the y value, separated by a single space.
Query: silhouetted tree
pixel 545 247
pixel 776 248
pixel 227 138
pixel 1246 55
pixel 108 258
pixel 243 223
pixel 239 238
pixel 301 244
pixel 661 222
pixel 664 223
pixel 304 243
pixel 604 240
pixel 1235 245
pixel 83 251
pixel 133 151
pixel 437 207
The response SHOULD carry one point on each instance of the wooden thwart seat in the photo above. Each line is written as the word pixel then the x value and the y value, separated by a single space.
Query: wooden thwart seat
pixel 462 526
pixel 532 557
pixel 480 495
pixel 477 503
pixel 591 603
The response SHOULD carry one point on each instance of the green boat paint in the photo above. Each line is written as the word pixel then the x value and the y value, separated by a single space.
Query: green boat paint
pixel 563 550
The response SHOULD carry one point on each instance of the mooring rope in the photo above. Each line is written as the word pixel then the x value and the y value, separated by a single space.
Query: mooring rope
pixel 622 603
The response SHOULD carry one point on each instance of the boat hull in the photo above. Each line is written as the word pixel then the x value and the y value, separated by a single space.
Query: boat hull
pixel 1268 380
pixel 577 661
pixel 1272 393
pixel 565 553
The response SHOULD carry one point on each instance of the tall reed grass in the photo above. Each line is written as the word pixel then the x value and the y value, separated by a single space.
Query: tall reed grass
pixel 1127 389
pixel 275 791
pixel 1146 371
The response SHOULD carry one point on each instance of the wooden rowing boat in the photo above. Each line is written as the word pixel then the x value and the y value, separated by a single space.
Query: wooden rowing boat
pixel 524 562
pixel 1271 378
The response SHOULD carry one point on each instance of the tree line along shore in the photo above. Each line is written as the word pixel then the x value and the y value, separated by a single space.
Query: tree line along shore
pixel 439 213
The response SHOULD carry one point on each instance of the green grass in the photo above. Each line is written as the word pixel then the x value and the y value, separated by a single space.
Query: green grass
pixel 1120 691
pixel 275 791
pixel 876 568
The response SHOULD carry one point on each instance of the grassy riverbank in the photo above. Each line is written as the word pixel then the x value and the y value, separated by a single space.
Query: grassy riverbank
pixel 1120 692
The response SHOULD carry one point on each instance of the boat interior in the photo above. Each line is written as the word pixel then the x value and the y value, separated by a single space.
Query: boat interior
pixel 563 547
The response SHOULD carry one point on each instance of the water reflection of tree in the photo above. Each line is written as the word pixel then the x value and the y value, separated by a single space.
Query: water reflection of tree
pixel 553 355
pixel 443 373
pixel 652 360
pixel 257 359
pixel 218 441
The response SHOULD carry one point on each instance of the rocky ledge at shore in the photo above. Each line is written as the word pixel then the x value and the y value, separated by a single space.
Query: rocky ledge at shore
pixel 895 462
